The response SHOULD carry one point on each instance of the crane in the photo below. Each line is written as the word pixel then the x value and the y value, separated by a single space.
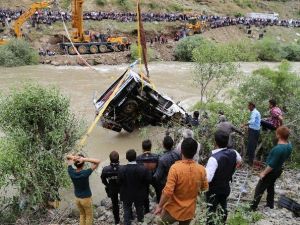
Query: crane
pixel 81 39
pixel 17 26
pixel 25 16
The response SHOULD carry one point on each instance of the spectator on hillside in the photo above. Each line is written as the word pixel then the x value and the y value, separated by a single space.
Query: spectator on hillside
pixel 253 132
pixel 134 180
pixel 220 168
pixel 150 161
pixel 109 178
pixel 80 179
pixel 185 180
pixel 275 120
pixel 278 155
pixel 168 158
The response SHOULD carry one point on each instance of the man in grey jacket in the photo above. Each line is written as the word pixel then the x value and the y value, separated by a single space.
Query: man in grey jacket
pixel 228 128
pixel 187 133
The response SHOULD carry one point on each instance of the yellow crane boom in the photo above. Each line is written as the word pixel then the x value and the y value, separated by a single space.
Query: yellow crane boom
pixel 78 34
pixel 25 16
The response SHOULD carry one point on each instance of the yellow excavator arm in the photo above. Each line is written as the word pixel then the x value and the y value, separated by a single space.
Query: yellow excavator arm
pixel 25 16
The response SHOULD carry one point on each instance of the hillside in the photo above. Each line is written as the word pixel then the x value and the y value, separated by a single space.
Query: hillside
pixel 285 8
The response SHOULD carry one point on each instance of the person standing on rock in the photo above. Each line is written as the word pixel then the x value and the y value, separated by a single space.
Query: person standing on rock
pixel 80 179
pixel 253 132
pixel 134 180
pixel 150 161
pixel 186 178
pixel 220 168
pixel 278 155
pixel 109 177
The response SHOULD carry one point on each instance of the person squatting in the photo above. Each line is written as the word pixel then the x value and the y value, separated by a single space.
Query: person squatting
pixel 177 176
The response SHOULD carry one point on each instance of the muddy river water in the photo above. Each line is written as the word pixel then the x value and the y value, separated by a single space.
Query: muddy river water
pixel 79 84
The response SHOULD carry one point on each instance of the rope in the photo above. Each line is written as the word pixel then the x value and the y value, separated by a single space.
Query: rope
pixel 139 36
pixel 82 141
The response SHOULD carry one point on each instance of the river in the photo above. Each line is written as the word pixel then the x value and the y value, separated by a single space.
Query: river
pixel 80 84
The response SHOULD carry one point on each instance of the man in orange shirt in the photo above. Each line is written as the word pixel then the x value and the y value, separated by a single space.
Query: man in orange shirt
pixel 185 179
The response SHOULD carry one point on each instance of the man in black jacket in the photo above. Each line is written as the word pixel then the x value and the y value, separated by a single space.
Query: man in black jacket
pixel 109 178
pixel 134 180
pixel 150 161
pixel 165 162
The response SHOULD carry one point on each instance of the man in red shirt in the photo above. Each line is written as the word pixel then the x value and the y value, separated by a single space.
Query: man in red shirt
pixel 275 120
pixel 185 179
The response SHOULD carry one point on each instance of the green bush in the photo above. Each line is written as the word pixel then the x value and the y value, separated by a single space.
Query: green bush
pixel 175 7
pixel 185 47
pixel 270 50
pixel 18 53
pixel 39 129
pixel 125 4
pixel 154 5
pixel 244 3
pixel 292 52
pixel 244 51
pixel 101 2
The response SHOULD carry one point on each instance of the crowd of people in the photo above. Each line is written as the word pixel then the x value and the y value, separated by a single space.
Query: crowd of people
pixel 48 16
pixel 177 176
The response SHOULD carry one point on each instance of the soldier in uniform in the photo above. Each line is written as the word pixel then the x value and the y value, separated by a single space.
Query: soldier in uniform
pixel 109 178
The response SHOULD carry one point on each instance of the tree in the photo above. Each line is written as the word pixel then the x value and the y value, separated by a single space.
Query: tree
pixel 214 69
pixel 39 129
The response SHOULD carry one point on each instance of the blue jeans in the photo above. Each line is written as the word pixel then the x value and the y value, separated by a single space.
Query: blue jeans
pixel 253 136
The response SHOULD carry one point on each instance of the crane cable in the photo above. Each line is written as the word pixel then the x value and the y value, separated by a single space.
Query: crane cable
pixel 73 46
pixel 83 139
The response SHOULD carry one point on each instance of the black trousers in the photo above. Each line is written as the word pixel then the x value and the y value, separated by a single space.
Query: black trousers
pixel 115 205
pixel 267 183
pixel 253 136
pixel 213 201
pixel 147 202
pixel 158 191
pixel 139 208
pixel 267 125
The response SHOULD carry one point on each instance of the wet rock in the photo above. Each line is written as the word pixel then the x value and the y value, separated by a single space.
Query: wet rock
pixel 106 202
pixel 298 176
pixel 55 63
pixel 263 222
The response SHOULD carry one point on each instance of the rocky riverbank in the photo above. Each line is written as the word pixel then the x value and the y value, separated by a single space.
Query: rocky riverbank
pixel 288 184
pixel 113 58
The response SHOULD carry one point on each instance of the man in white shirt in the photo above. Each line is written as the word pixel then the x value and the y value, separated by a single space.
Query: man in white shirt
pixel 219 169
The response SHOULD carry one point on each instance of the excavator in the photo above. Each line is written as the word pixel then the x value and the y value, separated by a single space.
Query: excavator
pixel 82 41
pixel 195 26
pixel 17 26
